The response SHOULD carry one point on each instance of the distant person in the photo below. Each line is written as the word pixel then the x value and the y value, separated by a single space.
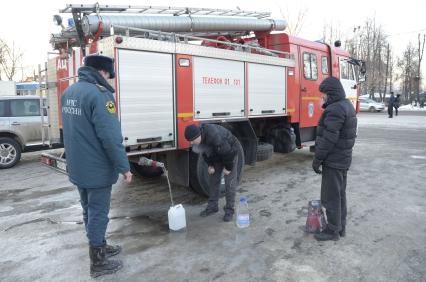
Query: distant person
pixel 336 133
pixel 397 103
pixel 219 149
pixel 391 104
pixel 95 154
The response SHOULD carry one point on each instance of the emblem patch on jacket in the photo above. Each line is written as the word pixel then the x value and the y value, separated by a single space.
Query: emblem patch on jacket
pixel 111 107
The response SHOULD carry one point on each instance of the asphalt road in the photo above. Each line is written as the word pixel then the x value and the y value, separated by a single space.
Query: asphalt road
pixel 42 238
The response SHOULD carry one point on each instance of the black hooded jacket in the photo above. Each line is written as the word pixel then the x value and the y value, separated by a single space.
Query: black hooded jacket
pixel 221 145
pixel 336 131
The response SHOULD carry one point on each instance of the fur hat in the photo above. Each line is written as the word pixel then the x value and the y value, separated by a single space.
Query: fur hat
pixel 192 132
pixel 101 63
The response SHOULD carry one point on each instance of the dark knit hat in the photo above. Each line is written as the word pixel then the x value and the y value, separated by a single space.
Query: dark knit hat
pixel 100 62
pixel 192 132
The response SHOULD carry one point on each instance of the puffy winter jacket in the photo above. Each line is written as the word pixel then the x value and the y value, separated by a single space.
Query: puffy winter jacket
pixel 336 131
pixel 220 145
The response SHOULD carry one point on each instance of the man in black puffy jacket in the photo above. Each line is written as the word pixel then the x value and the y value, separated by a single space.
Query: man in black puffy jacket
pixel 219 149
pixel 336 135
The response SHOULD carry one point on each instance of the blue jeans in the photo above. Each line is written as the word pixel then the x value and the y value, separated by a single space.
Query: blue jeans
pixel 95 203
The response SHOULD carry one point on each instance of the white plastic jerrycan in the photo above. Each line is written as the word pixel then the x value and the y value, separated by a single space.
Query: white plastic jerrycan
pixel 177 217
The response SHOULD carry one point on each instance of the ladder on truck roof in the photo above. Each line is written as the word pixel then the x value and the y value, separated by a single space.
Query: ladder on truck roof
pixel 93 21
pixel 45 122
pixel 152 10
pixel 187 39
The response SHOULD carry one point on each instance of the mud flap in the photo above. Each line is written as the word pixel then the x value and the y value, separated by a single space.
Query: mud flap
pixel 178 167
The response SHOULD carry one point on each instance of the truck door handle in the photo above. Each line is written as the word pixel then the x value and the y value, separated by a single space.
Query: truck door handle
pixel 268 111
pixel 15 123
pixel 304 89
pixel 152 139
pixel 221 114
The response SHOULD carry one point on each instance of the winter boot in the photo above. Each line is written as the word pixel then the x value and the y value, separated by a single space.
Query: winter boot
pixel 100 265
pixel 209 211
pixel 112 250
pixel 326 235
pixel 229 214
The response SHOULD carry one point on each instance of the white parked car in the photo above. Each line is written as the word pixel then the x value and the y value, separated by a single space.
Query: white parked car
pixel 367 104
pixel 20 127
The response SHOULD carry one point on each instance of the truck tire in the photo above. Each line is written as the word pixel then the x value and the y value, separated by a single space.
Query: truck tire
pixel 10 152
pixel 264 151
pixel 282 138
pixel 146 171
pixel 199 177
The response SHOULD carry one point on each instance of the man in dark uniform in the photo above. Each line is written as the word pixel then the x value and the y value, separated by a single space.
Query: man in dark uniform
pixel 397 103
pixel 391 104
pixel 95 154
pixel 336 133
pixel 219 149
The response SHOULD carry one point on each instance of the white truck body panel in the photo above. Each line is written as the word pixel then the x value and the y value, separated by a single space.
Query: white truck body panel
pixel 219 87
pixel 267 88
pixel 146 101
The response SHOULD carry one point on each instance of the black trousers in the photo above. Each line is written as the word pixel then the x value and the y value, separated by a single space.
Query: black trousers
pixel 297 133
pixel 231 183
pixel 333 197
pixel 390 111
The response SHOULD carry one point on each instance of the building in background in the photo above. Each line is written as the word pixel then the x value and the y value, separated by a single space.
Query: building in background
pixel 28 88
pixel 7 88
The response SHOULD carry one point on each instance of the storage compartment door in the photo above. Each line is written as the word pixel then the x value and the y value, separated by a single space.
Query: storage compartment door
pixel 146 97
pixel 218 88
pixel 267 89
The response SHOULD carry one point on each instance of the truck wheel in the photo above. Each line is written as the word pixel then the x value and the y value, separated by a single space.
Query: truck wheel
pixel 282 138
pixel 372 109
pixel 264 151
pixel 146 171
pixel 199 177
pixel 10 152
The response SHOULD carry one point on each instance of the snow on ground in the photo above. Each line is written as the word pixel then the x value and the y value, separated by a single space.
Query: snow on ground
pixel 402 108
pixel 397 122
pixel 411 108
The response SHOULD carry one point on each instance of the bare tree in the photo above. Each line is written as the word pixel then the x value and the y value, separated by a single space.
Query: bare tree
pixel 10 58
pixel 294 25
pixel 369 43
pixel 407 66
pixel 387 69
pixel 331 33
pixel 420 50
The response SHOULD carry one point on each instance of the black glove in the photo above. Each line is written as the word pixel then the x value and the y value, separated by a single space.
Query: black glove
pixel 316 165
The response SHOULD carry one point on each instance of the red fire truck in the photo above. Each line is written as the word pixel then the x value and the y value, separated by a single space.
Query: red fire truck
pixel 179 66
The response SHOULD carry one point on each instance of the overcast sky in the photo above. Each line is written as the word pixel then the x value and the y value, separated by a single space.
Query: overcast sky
pixel 29 23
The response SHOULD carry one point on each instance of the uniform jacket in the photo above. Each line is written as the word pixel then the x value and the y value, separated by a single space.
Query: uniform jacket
pixel 92 132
